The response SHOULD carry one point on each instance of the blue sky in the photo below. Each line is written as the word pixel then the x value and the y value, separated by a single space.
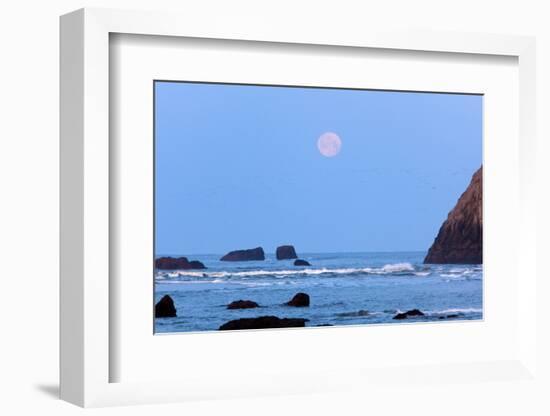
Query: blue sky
pixel 238 166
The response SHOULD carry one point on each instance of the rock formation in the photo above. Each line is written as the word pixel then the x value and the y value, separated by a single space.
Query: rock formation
pixel 286 253
pixel 411 313
pixel 165 308
pixel 263 322
pixel 245 255
pixel 459 240
pixel 180 263
pixel 299 300
pixel 451 316
pixel 242 304
pixel 300 262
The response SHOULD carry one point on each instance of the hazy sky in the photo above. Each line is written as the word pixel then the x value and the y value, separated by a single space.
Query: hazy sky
pixel 238 167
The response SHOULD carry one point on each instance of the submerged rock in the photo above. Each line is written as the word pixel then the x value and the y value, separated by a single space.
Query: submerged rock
pixel 177 263
pixel 263 322
pixel 451 316
pixel 286 253
pixel 242 304
pixel 299 300
pixel 459 240
pixel 411 313
pixel 361 312
pixel 301 262
pixel 165 308
pixel 245 255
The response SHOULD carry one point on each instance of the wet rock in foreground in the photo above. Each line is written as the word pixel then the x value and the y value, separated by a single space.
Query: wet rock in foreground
pixel 263 322
pixel 165 308
pixel 299 300
pixel 361 312
pixel 301 262
pixel 242 304
pixel 451 316
pixel 409 314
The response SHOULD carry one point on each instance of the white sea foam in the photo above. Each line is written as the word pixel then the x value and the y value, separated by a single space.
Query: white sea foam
pixel 457 310
pixel 384 270
pixel 187 282
pixel 398 267
pixel 215 281
pixel 255 284
pixel 465 275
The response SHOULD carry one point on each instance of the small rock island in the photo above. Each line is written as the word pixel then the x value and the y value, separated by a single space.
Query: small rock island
pixel 252 254
pixel 459 240
pixel 286 253
pixel 179 263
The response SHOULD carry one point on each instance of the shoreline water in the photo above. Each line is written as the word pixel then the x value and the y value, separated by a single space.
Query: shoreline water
pixel 345 289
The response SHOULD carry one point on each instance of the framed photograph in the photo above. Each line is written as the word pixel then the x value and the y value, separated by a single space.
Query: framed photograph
pixel 360 181
pixel 263 211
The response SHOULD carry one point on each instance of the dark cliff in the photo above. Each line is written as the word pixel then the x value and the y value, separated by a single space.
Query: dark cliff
pixel 460 238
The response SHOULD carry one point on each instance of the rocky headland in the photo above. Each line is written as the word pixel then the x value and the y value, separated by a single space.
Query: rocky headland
pixel 460 238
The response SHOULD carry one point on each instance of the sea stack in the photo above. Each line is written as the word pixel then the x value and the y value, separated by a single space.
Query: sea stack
pixel 245 255
pixel 459 240
pixel 179 263
pixel 286 253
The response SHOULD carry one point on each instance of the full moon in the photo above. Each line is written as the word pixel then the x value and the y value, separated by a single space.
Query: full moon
pixel 329 144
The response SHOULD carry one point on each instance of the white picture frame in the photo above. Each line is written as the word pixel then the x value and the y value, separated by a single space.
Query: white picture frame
pixel 86 264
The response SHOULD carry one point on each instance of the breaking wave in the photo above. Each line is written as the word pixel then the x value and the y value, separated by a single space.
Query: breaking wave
pixel 393 269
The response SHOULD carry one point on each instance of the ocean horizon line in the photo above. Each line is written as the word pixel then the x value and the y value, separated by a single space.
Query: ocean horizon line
pixel 302 253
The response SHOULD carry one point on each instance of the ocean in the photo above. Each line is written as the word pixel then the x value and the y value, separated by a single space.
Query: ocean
pixel 344 289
